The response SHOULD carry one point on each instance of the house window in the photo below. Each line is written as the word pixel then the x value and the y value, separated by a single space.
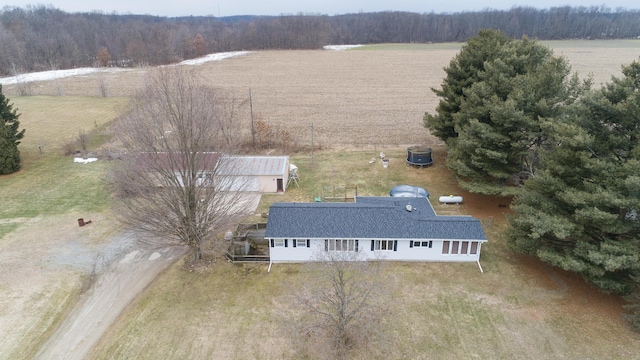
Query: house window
pixel 300 243
pixel 465 247
pixel 445 247
pixel 425 244
pixel 387 245
pixel 341 245
pixel 278 243
pixel 474 247
pixel 454 247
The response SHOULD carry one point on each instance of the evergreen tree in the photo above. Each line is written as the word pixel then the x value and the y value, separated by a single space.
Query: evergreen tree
pixel 463 71
pixel 9 154
pixel 580 211
pixel 494 99
pixel 9 137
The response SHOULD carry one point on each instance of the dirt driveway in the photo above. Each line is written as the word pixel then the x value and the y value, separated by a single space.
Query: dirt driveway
pixel 43 264
pixel 46 260
pixel 103 303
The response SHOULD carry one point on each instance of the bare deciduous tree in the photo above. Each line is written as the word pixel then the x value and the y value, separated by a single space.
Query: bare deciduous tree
pixel 82 140
pixel 103 86
pixel 23 87
pixel 263 131
pixel 177 181
pixel 340 308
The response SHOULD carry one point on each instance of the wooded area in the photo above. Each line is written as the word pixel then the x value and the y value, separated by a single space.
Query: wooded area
pixel 516 123
pixel 41 37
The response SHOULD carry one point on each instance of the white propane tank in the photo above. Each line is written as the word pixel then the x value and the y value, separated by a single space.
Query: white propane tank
pixel 450 199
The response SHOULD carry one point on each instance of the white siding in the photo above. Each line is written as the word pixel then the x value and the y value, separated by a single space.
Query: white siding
pixel 289 253
pixel 403 251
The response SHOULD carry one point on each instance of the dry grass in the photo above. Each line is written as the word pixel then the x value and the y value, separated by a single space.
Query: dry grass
pixel 42 267
pixel 517 309
pixel 51 121
pixel 367 100
pixel 38 219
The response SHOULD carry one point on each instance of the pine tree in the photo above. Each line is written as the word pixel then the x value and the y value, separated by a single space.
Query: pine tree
pixel 9 137
pixel 463 71
pixel 580 211
pixel 496 95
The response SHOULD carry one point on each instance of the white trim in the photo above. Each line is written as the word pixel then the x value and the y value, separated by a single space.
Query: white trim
pixel 339 244
pixel 403 251
pixel 383 245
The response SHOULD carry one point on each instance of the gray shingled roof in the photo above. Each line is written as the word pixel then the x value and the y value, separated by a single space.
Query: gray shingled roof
pixel 369 218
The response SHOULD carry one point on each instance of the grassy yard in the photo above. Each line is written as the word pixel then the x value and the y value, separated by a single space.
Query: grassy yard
pixel 50 121
pixel 50 183
pixel 53 185
pixel 517 309
pixel 39 281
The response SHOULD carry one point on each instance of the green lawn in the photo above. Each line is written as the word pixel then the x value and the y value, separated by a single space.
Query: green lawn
pixel 50 183
pixel 50 121
pixel 53 185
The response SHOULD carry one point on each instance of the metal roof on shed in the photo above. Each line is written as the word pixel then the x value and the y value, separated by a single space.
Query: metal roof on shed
pixel 259 165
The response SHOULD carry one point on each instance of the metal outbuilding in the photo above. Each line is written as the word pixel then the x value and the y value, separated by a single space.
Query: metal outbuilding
pixel 264 174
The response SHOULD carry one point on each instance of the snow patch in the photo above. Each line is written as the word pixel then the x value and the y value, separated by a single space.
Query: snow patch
pixel 59 74
pixel 340 47
pixel 154 256
pixel 55 74
pixel 84 161
pixel 213 57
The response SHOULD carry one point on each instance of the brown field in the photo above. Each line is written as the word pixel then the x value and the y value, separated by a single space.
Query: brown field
pixel 363 100
pixel 368 97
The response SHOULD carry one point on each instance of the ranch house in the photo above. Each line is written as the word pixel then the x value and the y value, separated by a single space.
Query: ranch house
pixel 390 228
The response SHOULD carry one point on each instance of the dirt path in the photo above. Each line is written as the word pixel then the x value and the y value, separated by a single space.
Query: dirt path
pixel 103 303
pixel 125 267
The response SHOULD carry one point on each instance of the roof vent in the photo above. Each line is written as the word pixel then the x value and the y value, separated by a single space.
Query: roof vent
pixel 409 207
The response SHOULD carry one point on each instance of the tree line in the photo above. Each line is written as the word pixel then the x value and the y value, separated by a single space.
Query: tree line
pixel 38 38
pixel 518 124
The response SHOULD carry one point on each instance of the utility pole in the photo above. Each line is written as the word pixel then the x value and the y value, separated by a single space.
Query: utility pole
pixel 253 131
